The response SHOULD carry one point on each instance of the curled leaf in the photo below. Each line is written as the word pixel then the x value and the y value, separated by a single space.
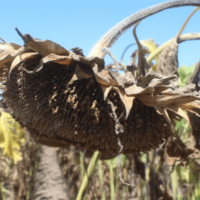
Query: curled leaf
pixel 104 78
pixel 127 100
pixel 154 79
pixel 42 47
pixel 176 150
pixel 6 52
pixel 20 58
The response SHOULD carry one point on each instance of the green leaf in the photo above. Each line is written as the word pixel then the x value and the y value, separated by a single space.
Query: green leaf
pixel 184 74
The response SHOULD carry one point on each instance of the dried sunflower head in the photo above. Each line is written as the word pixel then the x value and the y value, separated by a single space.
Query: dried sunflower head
pixel 65 98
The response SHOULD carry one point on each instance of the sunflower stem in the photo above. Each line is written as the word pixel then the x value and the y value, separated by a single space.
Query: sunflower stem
pixel 87 176
pixel 185 23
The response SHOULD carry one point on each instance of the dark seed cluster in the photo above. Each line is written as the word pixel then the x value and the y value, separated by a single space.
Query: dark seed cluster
pixel 57 113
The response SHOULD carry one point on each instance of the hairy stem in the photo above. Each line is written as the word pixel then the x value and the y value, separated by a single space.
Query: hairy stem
pixel 114 33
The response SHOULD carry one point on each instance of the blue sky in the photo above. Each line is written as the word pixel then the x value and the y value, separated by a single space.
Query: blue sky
pixel 82 23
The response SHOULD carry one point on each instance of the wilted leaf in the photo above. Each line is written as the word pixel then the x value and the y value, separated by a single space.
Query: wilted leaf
pixel 44 48
pixel 168 61
pixel 127 100
pixel 165 100
pixel 20 58
pixel 186 89
pixel 77 51
pixel 106 91
pixel 135 90
pixel 179 112
pixel 63 60
pixel 130 71
pixel 195 75
pixel 104 78
pixel 6 52
pixel 176 150
pixel 81 72
pixel 131 67
pixel 154 79
pixel 121 79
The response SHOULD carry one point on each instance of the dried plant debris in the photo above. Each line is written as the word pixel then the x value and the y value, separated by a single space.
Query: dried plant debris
pixel 176 150
pixel 65 98
pixel 143 66
pixel 195 80
pixel 168 61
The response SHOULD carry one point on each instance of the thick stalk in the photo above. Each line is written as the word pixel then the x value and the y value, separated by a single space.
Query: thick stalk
pixel 114 33
pixel 49 182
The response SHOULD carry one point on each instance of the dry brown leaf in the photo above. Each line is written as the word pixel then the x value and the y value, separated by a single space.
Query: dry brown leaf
pixel 20 58
pixel 78 51
pixel 162 81
pixel 121 79
pixel 176 150
pixel 104 78
pixel 81 72
pixel 44 48
pixel 106 91
pixel 194 114
pixel 127 100
pixel 63 60
pixel 195 78
pixel 130 70
pixel 168 61
pixel 186 89
pixel 6 51
pixel 131 67
pixel 165 100
pixel 144 81
pixel 136 90
pixel 169 92
pixel 179 112
pixel 159 89
pixel 95 63
pixel 163 112
pixel 194 118
pixel 195 104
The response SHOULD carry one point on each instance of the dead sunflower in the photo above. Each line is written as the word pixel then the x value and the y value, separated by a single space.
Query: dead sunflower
pixel 64 98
